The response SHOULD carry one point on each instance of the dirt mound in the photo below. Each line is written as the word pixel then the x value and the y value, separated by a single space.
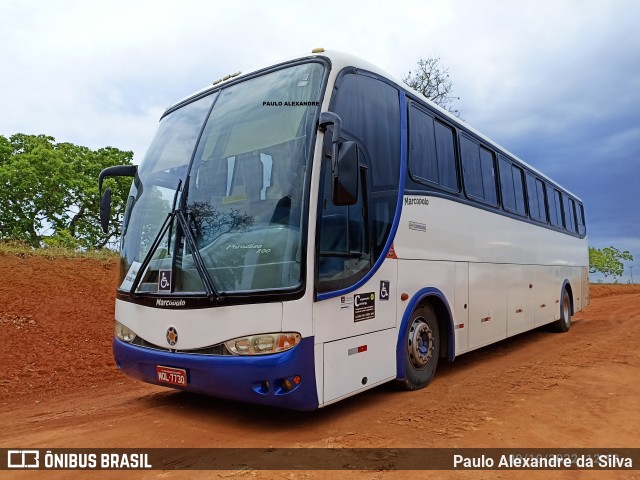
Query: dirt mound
pixel 607 290
pixel 57 320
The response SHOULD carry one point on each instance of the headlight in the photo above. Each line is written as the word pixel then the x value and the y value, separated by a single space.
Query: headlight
pixel 124 333
pixel 263 344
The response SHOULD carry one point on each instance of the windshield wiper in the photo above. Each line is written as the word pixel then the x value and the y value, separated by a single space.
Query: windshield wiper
pixel 178 214
pixel 209 286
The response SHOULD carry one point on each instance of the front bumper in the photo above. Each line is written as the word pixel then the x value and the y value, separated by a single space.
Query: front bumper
pixel 253 379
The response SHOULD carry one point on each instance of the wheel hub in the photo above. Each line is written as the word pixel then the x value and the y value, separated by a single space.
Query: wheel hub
pixel 420 343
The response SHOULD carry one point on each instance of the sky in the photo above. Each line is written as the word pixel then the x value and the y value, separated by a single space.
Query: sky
pixel 555 82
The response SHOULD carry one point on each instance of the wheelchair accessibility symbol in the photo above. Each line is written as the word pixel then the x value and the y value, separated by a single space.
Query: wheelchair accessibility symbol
pixel 164 280
pixel 384 289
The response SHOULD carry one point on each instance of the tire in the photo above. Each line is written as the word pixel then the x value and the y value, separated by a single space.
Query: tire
pixel 564 324
pixel 422 348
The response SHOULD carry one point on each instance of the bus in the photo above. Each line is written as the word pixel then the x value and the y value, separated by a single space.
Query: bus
pixel 307 231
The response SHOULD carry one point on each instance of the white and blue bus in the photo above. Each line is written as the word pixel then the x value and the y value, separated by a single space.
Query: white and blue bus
pixel 310 230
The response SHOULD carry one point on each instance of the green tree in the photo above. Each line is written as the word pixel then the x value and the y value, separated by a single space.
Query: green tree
pixel 608 261
pixel 49 192
pixel 431 79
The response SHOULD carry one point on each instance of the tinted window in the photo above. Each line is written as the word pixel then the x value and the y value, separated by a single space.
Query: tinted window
pixel 446 153
pixel 580 215
pixel 569 214
pixel 343 249
pixel 536 198
pixel 555 207
pixel 511 186
pixel 488 176
pixel 422 162
pixel 370 111
pixel 478 171
pixel 432 150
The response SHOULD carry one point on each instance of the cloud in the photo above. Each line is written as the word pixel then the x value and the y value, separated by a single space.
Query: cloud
pixel 556 83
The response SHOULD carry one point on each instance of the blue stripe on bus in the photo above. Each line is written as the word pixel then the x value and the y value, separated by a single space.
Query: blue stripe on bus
pixel 231 376
pixel 396 217
pixel 404 325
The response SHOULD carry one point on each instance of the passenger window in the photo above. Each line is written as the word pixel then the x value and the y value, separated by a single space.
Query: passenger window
pixel 536 198
pixel 478 172
pixel 569 214
pixel 511 186
pixel 581 223
pixel 555 207
pixel 432 150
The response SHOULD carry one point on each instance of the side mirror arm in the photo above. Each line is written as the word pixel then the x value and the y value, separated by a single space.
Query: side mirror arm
pixel 326 119
pixel 105 200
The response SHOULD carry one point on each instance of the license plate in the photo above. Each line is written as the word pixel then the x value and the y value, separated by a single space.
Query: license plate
pixel 172 376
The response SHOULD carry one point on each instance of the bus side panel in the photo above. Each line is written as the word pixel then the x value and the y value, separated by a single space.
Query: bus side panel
pixel 488 287
pixel 358 363
pixel 546 288
pixel 585 299
pixel 461 307
pixel 520 312
pixel 341 317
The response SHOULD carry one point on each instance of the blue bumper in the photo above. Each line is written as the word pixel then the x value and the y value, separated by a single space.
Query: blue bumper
pixel 252 379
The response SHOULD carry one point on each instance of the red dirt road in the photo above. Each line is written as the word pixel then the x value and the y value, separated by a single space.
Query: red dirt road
pixel 59 387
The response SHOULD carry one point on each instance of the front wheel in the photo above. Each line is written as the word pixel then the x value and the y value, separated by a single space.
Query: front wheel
pixel 422 347
pixel 564 323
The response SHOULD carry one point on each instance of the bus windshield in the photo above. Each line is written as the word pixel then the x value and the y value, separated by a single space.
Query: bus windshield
pixel 236 172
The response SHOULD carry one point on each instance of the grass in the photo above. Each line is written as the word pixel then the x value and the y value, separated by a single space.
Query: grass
pixel 23 250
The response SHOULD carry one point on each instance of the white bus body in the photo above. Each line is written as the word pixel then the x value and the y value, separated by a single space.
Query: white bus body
pixel 298 302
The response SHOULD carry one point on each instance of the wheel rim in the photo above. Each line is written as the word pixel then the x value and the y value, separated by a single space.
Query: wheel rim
pixel 420 343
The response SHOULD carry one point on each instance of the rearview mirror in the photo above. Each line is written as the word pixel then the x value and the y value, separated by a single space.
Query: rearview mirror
pixel 105 210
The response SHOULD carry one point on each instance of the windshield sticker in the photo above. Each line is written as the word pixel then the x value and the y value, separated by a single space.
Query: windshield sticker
pixel 164 280
pixel 364 306
pixel 131 276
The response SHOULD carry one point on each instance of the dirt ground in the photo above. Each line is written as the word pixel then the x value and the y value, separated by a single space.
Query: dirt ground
pixel 59 387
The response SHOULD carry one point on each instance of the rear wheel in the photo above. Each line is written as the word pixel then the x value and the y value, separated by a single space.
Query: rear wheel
pixel 564 323
pixel 422 347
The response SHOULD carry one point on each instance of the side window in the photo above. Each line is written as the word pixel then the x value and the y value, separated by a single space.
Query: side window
pixel 581 223
pixel 343 249
pixel 506 184
pixel 536 198
pixel 370 113
pixel 478 171
pixel 511 186
pixel 569 214
pixel 446 152
pixel 555 207
pixel 542 200
pixel 432 150
pixel 488 176
pixel 422 161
